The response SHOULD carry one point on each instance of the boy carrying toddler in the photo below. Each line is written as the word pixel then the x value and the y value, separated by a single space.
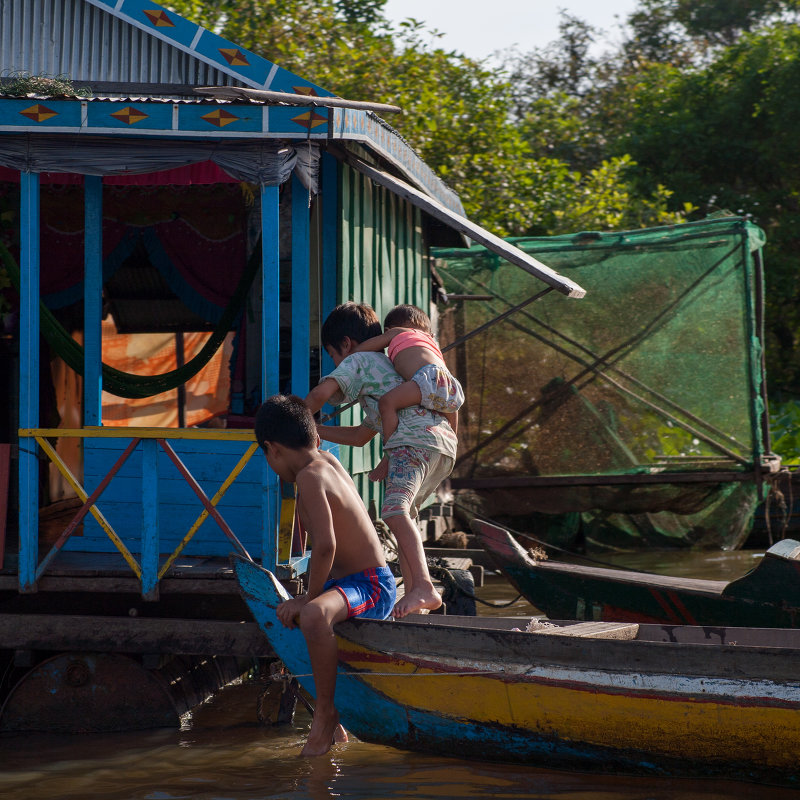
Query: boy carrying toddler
pixel 419 455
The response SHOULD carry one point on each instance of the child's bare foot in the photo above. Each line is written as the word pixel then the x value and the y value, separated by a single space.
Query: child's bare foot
pixel 340 735
pixel 416 600
pixel 324 727
pixel 380 472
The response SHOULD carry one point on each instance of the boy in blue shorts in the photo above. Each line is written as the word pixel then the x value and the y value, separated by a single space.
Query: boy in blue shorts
pixel 420 452
pixel 347 574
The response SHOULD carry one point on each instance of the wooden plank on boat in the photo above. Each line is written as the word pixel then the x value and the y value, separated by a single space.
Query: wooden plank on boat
pixel 456 563
pixel 594 630
pixel 476 555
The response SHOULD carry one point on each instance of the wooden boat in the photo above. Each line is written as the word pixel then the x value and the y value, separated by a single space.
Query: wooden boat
pixel 767 597
pixel 663 700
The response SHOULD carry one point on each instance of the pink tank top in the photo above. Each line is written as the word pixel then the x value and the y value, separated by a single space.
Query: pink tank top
pixel 412 338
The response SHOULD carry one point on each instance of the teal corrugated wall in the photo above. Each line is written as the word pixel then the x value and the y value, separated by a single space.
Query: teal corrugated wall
pixel 382 262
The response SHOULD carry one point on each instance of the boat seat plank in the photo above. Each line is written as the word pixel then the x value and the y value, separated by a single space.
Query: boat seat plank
pixel 629 576
pixel 456 563
pixel 594 630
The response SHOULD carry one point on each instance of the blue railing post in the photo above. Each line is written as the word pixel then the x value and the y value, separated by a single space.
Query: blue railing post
pixel 330 243
pixel 150 540
pixel 93 300
pixel 29 380
pixel 330 255
pixel 301 288
pixel 270 355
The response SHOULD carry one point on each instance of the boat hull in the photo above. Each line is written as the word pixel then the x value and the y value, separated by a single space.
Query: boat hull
pixel 462 688
pixel 767 597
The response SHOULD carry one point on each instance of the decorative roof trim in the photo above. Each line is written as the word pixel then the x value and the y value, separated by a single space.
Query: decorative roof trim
pixel 206 119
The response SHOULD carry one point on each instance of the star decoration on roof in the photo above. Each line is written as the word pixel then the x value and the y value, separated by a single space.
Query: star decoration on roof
pixel 130 115
pixel 234 56
pixel 309 91
pixel 310 120
pixel 39 113
pixel 159 18
pixel 220 118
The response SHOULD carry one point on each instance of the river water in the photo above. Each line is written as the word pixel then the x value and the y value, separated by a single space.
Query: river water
pixel 222 752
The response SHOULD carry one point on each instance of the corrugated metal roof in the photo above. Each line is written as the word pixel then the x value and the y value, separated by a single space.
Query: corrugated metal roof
pixel 53 37
pixel 138 42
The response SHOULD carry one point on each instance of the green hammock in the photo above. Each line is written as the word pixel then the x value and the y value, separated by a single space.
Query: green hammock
pixel 125 384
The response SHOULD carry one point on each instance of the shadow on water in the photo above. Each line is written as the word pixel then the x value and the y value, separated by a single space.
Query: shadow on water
pixel 223 753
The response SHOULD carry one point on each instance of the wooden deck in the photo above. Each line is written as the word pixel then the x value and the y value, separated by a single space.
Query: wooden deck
pixel 199 609
pixel 109 572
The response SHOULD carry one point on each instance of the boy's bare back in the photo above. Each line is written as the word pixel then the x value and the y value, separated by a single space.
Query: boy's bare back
pixel 328 501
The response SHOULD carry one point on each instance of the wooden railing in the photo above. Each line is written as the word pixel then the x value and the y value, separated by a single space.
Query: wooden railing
pixel 147 569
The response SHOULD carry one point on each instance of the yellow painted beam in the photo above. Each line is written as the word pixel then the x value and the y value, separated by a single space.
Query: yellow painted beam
pixel 207 434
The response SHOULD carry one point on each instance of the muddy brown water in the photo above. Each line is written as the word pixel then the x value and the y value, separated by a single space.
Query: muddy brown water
pixel 222 752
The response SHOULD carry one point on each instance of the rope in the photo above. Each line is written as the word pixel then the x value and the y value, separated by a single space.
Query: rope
pixel 780 498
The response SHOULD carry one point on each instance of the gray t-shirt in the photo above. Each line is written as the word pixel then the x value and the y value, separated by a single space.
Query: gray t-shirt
pixel 367 377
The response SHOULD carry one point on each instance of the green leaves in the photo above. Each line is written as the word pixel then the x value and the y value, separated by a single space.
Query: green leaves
pixel 542 173
pixel 784 423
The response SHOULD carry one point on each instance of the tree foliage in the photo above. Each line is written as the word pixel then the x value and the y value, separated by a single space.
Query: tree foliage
pixel 456 111
pixel 723 136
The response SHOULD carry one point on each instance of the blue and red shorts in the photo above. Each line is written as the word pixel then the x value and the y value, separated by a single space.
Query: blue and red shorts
pixel 370 594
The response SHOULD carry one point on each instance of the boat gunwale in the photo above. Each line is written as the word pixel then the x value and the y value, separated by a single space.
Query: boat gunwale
pixel 703 657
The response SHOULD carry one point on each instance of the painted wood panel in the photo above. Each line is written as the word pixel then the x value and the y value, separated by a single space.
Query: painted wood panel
pixel 210 462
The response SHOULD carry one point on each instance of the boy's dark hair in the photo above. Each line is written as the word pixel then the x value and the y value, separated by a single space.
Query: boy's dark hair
pixel 408 316
pixel 286 420
pixel 356 320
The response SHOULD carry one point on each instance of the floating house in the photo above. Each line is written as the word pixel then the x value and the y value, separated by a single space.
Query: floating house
pixel 218 227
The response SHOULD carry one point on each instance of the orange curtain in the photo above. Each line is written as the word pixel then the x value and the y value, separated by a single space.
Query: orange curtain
pixel 207 393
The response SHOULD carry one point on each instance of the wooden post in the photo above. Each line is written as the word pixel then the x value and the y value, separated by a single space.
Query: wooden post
pixel 5 464
pixel 93 300
pixel 150 539
pixel 301 288
pixel 330 244
pixel 29 380
pixel 270 356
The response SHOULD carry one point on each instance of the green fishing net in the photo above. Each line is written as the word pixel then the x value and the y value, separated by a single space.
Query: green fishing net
pixel 656 372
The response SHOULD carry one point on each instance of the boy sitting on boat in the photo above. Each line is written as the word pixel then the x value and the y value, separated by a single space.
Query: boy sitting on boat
pixel 347 575
pixel 420 454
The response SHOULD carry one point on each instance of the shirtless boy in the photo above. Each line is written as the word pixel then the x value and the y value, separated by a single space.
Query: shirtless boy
pixel 347 575
pixel 420 454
